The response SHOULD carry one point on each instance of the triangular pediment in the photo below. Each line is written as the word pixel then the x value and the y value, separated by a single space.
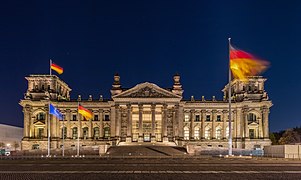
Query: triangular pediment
pixel 39 123
pixel 146 90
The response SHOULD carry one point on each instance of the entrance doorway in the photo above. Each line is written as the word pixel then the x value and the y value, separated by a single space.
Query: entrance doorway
pixel 146 137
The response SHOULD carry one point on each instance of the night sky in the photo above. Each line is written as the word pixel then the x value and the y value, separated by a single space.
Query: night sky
pixel 150 41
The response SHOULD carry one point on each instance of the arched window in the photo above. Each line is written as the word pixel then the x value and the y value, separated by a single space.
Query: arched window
pixel 64 133
pixel 74 133
pixel 85 132
pixel 96 132
pixel 106 132
pixel 197 133
pixel 251 117
pixel 186 133
pixel 218 133
pixel 41 116
pixel 207 133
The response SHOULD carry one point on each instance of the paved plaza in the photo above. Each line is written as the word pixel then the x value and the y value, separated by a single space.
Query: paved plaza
pixel 149 168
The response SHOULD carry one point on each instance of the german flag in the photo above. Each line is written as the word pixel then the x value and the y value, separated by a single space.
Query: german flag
pixel 84 112
pixel 57 68
pixel 243 64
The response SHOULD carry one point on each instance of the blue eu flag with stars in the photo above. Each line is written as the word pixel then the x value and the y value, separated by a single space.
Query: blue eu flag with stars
pixel 55 112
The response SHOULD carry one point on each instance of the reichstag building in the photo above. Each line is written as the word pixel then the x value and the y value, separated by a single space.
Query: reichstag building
pixel 145 113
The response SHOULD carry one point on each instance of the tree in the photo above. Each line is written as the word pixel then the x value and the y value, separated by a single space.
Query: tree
pixel 290 137
pixel 273 139
pixel 2 145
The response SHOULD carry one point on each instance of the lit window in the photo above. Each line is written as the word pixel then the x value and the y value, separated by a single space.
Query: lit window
pixel 208 118
pixel 186 133
pixel 218 133
pixel 74 133
pixel 197 118
pixel 196 133
pixel 186 118
pixel 207 133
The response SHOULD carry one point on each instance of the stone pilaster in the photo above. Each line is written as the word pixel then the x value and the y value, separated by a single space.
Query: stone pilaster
pixel 153 109
pixel 180 120
pixel 129 128
pixel 213 133
pixel 203 114
pixel 260 127
pixel 113 121
pixel 225 124
pixel 164 124
pixel 90 126
pixel 140 138
pixel 176 122
pixel 68 117
pixel 265 113
pixel 27 119
pixel 192 119
pixel 239 123
pixel 245 119
pixel 101 118
pixel 118 121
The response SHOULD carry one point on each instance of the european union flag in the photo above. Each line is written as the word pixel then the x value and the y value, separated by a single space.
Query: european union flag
pixel 55 112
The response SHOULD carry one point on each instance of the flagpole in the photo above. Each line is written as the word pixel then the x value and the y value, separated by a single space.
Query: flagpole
pixel 48 145
pixel 50 61
pixel 229 98
pixel 63 153
pixel 78 130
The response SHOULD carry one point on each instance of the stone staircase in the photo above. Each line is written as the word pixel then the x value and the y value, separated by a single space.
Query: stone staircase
pixel 146 150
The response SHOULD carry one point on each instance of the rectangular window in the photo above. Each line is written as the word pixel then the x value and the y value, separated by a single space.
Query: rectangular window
pixel 107 117
pixel 218 118
pixel 197 118
pixel 186 118
pixel 73 117
pixel 251 133
pixel 95 117
pixel 208 118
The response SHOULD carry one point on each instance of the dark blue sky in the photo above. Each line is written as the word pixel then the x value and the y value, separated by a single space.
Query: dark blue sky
pixel 149 41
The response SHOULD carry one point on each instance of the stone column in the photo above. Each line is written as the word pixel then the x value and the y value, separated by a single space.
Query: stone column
pixel 101 118
pixel 265 113
pixel 180 122
pixel 27 119
pixel 80 130
pixel 203 114
pixel 113 120
pixel 153 137
pixel 176 122
pixel 225 124
pixel 234 124
pixel 245 112
pixel 213 133
pixel 164 124
pixel 129 124
pixel 52 126
pixel 118 121
pixel 260 127
pixel 239 123
pixel 192 119
pixel 67 125
pixel 90 126
pixel 140 138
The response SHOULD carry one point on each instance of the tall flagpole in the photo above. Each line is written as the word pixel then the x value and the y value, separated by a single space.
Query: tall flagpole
pixel 63 153
pixel 48 145
pixel 78 130
pixel 229 98
pixel 50 62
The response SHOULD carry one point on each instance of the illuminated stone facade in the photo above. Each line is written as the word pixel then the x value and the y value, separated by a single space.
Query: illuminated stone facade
pixel 145 113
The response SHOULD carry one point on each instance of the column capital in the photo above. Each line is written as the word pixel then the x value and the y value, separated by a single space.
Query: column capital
pixel 225 111
pixel 203 111
pixel 140 106
pixel 153 106
pixel 214 111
